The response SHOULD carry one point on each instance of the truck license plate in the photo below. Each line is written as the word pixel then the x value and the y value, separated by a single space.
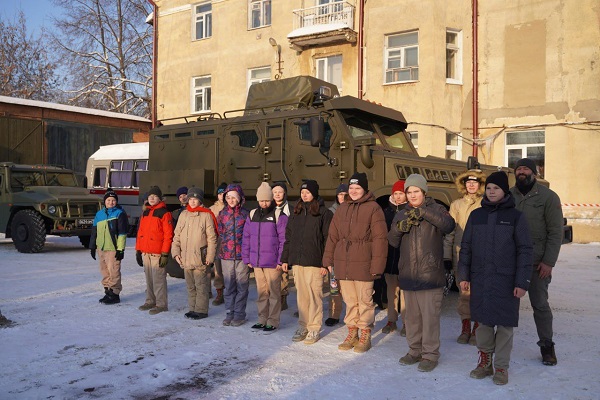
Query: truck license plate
pixel 82 222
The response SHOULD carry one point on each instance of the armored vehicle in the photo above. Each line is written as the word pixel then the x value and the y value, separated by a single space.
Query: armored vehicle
pixel 294 129
pixel 41 200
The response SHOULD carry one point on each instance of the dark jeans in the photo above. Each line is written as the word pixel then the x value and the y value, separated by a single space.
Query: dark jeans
pixel 542 313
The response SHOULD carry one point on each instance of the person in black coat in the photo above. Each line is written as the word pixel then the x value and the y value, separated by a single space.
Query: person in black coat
pixel 495 263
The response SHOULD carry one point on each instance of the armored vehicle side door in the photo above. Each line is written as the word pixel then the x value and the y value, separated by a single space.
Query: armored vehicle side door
pixel 244 155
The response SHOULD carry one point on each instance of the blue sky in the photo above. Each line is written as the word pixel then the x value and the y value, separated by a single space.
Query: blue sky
pixel 37 12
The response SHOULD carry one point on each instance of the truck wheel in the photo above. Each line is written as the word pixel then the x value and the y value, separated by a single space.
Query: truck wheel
pixel 28 231
pixel 85 241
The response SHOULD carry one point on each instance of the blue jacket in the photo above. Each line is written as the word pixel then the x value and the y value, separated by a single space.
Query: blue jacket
pixel 109 231
pixel 264 236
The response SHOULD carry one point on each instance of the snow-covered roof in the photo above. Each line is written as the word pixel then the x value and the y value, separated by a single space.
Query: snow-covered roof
pixel 124 151
pixel 315 29
pixel 63 107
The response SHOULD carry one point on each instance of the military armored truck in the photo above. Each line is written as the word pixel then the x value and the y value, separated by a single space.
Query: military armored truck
pixel 294 129
pixel 41 200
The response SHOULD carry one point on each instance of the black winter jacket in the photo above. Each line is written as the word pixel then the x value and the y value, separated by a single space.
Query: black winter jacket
pixel 421 265
pixel 305 236
pixel 393 256
pixel 496 255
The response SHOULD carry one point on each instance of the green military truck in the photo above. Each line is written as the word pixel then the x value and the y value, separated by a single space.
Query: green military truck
pixel 294 129
pixel 41 200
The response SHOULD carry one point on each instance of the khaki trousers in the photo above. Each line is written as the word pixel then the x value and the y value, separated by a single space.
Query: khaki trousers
pixel 268 286
pixel 309 289
pixel 198 286
pixel 423 309
pixel 285 283
pixel 499 342
pixel 395 299
pixel 335 300
pixel 360 308
pixel 110 269
pixel 156 281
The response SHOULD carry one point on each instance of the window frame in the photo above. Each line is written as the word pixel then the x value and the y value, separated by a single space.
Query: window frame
pixel 457 59
pixel 250 81
pixel 402 58
pixel 206 92
pixel 454 147
pixel 524 149
pixel 414 136
pixel 206 18
pixel 326 69
pixel 265 13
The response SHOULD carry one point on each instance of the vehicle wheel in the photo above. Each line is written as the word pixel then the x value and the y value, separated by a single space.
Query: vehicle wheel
pixel 28 231
pixel 173 269
pixel 85 241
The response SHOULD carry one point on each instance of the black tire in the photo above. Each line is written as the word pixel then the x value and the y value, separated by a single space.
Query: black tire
pixel 28 231
pixel 85 241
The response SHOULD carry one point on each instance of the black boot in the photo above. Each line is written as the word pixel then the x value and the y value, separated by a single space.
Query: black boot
pixel 548 354
pixel 102 300
pixel 112 298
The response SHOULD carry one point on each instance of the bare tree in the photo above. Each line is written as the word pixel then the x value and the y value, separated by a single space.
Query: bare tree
pixel 26 70
pixel 107 49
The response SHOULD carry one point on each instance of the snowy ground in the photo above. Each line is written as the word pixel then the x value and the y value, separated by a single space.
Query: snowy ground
pixel 66 345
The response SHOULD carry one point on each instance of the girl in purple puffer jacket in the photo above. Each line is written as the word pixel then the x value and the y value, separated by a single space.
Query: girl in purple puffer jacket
pixel 264 235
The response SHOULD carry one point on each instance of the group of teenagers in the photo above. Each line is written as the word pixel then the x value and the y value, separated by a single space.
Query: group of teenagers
pixel 413 243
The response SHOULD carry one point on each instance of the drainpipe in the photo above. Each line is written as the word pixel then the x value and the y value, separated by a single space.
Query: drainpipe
pixel 154 60
pixel 475 82
pixel 361 31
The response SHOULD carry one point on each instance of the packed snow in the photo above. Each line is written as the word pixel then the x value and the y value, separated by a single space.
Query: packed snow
pixel 64 344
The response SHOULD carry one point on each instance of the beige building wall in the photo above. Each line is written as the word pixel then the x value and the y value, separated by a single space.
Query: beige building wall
pixel 538 69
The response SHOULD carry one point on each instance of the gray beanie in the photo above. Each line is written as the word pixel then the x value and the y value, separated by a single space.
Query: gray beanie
pixel 527 162
pixel 197 193
pixel 417 180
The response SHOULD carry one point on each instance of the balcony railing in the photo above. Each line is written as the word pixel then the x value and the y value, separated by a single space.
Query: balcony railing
pixel 332 13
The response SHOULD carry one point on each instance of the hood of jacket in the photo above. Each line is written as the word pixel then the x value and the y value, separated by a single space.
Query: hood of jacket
pixel 238 189
pixel 460 184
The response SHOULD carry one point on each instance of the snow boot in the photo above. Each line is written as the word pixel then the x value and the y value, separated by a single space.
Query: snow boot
pixel 351 340
pixel 331 321
pixel 472 339
pixel 389 327
pixel 364 343
pixel 102 300
pixel 548 355
pixel 484 368
pixel 113 298
pixel 500 377
pixel 284 304
pixel 465 335
pixel 219 299
pixel 403 331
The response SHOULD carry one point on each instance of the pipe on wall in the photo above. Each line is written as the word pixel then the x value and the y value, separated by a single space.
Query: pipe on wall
pixel 475 79
pixel 361 32
pixel 153 115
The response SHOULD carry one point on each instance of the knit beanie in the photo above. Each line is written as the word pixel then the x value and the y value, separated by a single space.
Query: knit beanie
pixel 196 193
pixel 281 185
pixel 111 193
pixel 527 162
pixel 343 188
pixel 311 186
pixel 264 192
pixel 398 187
pixel 499 178
pixel 417 180
pixel 155 190
pixel 359 178
pixel 221 188
pixel 182 190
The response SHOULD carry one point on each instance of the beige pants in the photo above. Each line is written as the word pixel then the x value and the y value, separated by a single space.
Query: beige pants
pixel 423 309
pixel 268 286
pixel 285 283
pixel 360 308
pixel 156 281
pixel 395 299
pixel 309 289
pixel 110 269
pixel 499 342
pixel 198 287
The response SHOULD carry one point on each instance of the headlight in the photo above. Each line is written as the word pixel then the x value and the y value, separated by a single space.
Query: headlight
pixel 52 209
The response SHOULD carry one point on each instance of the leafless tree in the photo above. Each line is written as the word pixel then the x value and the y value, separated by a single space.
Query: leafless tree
pixel 107 49
pixel 26 70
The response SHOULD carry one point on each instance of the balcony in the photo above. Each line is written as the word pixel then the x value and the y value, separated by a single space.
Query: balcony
pixel 323 25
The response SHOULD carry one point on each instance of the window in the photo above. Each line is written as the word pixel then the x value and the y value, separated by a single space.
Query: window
pixel 201 94
pixel 140 167
pixel 203 20
pixel 453 146
pixel 305 134
pixel 329 69
pixel 453 56
pixel 99 177
pixel 414 138
pixel 330 6
pixel 402 57
pixel 121 173
pixel 259 13
pixel 258 75
pixel 530 144
pixel 245 138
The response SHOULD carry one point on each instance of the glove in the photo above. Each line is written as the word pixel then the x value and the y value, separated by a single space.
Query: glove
pixel 93 253
pixel 415 214
pixel 448 265
pixel 164 259
pixel 119 255
pixel 404 225
pixel 138 258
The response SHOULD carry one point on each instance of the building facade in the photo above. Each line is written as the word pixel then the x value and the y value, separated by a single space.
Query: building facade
pixel 535 61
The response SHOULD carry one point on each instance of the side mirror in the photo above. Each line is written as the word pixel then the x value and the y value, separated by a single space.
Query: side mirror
pixel 472 163
pixel 317 131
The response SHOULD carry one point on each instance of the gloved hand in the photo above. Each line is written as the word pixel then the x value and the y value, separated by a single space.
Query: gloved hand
pixel 448 265
pixel 138 258
pixel 404 225
pixel 93 253
pixel 119 255
pixel 415 213
pixel 164 260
